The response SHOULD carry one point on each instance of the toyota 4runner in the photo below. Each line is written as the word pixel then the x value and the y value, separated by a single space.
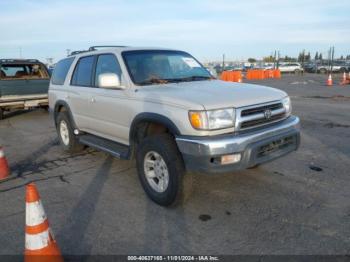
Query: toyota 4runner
pixel 163 108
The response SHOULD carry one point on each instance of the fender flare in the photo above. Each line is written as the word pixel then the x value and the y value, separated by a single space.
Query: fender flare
pixel 154 118
pixel 64 104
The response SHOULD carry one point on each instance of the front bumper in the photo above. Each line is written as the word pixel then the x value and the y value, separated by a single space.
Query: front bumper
pixel 256 147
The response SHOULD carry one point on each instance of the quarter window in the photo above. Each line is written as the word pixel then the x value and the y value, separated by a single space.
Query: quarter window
pixel 61 70
pixel 107 63
pixel 83 71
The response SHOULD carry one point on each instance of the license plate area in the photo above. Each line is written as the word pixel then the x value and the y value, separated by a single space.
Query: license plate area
pixel 274 146
pixel 31 103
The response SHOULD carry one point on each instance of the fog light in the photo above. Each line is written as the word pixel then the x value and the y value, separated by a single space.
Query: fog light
pixel 230 159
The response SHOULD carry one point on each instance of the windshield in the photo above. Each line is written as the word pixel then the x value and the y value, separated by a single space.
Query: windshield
pixel 148 67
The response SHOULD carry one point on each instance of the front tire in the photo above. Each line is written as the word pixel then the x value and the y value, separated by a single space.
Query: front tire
pixel 161 170
pixel 66 135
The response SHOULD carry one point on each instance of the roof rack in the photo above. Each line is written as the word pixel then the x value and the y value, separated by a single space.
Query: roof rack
pixel 78 52
pixel 93 48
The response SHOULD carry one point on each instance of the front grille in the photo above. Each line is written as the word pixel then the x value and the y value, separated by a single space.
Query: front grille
pixel 252 117
pixel 261 121
pixel 260 109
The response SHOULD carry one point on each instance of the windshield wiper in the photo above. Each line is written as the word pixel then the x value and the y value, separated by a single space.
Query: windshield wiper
pixel 190 78
pixel 174 80
pixel 151 81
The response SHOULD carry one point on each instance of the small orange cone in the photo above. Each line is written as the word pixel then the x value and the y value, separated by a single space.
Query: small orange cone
pixel 329 80
pixel 40 246
pixel 343 80
pixel 4 167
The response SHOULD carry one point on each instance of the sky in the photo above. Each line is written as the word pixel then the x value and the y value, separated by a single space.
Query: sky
pixel 205 28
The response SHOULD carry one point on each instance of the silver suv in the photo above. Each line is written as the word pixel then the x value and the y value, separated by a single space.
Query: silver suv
pixel 165 109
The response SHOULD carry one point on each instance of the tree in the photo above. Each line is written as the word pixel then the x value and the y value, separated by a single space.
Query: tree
pixel 269 59
pixel 301 57
pixel 288 59
pixel 308 57
pixel 316 56
pixel 251 60
pixel 341 57
pixel 320 56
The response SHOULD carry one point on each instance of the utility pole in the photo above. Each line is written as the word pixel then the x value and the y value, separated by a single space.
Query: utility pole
pixel 332 58
pixel 223 62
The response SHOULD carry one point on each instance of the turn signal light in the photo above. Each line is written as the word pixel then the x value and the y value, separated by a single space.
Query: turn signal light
pixel 196 120
pixel 230 159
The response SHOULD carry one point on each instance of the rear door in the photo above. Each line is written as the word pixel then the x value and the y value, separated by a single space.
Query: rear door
pixel 79 92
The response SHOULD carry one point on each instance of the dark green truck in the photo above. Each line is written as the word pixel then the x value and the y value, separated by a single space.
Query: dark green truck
pixel 24 84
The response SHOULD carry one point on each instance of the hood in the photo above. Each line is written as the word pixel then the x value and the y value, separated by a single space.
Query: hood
pixel 211 94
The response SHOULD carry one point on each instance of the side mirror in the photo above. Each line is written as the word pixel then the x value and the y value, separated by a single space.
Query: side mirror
pixel 109 81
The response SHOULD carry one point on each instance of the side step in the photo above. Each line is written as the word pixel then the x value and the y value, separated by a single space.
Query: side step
pixel 114 148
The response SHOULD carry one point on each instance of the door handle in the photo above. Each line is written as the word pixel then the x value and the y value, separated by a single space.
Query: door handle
pixel 92 100
pixel 66 97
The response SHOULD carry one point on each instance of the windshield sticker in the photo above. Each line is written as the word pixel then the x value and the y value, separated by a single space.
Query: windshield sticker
pixel 191 62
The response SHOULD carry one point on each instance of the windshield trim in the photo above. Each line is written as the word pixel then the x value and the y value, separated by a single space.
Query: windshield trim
pixel 123 53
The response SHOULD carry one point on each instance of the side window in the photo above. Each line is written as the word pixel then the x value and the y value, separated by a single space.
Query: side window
pixel 60 72
pixel 107 63
pixel 82 75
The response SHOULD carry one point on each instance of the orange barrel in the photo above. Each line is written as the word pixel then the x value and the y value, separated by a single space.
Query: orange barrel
pixel 223 75
pixel 277 73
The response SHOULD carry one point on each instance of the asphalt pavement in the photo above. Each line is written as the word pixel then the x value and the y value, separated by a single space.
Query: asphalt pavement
pixel 298 204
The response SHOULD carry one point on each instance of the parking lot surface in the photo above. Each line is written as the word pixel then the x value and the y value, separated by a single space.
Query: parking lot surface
pixel 95 204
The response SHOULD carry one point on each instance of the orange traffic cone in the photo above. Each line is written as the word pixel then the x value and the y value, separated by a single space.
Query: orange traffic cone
pixel 329 80
pixel 344 81
pixel 4 167
pixel 40 246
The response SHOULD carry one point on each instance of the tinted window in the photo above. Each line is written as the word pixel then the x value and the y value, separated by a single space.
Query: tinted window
pixel 83 71
pixel 60 71
pixel 23 71
pixel 107 64
pixel 160 66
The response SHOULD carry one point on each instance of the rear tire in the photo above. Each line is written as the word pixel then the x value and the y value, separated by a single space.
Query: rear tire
pixel 158 159
pixel 65 132
pixel 1 114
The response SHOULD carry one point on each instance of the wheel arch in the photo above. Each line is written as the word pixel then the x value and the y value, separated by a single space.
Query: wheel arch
pixel 60 106
pixel 142 121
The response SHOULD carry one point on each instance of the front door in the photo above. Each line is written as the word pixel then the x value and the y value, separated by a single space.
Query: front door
pixel 110 107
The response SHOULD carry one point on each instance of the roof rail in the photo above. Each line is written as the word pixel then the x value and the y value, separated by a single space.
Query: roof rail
pixel 93 48
pixel 78 52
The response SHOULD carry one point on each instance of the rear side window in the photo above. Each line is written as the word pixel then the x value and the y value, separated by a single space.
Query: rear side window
pixel 82 75
pixel 23 71
pixel 60 72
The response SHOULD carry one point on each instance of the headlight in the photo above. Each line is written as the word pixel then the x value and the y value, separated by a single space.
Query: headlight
pixel 213 119
pixel 287 105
